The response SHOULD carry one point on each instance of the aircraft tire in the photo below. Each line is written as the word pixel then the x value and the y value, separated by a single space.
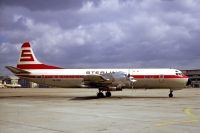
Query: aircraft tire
pixel 170 95
pixel 100 95
pixel 108 94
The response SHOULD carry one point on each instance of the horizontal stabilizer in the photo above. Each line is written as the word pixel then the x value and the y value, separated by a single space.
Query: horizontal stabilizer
pixel 16 70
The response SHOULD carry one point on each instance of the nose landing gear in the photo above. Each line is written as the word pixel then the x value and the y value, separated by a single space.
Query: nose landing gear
pixel 171 93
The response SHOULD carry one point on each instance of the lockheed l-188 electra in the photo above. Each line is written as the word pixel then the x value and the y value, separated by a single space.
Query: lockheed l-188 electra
pixel 106 80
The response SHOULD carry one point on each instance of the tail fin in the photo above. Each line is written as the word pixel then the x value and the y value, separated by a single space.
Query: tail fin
pixel 27 59
pixel 26 55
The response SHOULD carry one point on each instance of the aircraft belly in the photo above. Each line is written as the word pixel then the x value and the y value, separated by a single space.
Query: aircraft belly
pixel 140 83
pixel 68 83
pixel 157 83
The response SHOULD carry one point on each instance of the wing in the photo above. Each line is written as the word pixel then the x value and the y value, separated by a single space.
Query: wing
pixel 96 81
pixel 116 79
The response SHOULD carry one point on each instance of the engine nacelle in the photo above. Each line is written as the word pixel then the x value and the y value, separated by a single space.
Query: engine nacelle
pixel 119 80
pixel 115 88
pixel 112 88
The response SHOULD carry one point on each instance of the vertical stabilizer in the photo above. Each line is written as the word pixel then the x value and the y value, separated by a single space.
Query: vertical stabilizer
pixel 27 59
pixel 26 55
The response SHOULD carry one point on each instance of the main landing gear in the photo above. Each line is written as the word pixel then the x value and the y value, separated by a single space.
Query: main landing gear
pixel 171 93
pixel 100 94
pixel 108 94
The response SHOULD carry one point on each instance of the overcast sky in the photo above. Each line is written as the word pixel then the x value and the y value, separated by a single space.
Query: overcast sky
pixel 102 33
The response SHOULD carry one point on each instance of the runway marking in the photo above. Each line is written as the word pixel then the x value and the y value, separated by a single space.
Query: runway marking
pixel 190 114
pixel 192 118
pixel 16 104
pixel 29 125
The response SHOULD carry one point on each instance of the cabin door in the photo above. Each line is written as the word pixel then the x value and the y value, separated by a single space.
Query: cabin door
pixel 161 78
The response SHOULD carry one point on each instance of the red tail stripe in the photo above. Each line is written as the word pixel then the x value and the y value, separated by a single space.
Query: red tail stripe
pixel 36 66
pixel 27 55
pixel 26 45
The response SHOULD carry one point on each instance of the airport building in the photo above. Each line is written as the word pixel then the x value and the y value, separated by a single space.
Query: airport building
pixel 27 84
pixel 1 81
pixel 11 80
pixel 194 77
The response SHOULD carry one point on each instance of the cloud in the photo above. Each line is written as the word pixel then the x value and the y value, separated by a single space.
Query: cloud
pixel 114 33
pixel 43 5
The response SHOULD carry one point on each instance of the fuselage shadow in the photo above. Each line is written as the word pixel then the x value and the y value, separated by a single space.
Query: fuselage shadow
pixel 120 97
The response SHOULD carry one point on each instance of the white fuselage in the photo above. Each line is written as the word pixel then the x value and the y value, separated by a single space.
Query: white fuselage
pixel 145 78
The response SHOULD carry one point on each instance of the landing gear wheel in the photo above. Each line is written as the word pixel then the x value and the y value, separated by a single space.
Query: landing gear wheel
pixel 171 94
pixel 108 94
pixel 100 95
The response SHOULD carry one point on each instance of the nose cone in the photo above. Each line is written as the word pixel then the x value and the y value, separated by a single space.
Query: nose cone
pixel 186 80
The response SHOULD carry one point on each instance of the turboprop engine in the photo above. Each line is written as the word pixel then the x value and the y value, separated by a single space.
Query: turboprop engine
pixel 119 81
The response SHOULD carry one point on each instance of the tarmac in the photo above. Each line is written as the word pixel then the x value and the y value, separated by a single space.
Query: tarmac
pixel 56 110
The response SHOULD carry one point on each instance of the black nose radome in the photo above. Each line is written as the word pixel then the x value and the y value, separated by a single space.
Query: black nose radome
pixel 188 82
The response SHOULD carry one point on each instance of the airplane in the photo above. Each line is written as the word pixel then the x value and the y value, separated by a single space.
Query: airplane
pixel 9 85
pixel 106 80
pixel 14 85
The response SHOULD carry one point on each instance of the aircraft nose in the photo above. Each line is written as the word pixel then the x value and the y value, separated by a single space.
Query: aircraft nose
pixel 188 80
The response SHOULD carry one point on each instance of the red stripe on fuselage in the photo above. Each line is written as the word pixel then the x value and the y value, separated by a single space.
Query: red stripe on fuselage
pixel 51 76
pixel 157 76
pixel 36 66
pixel 81 76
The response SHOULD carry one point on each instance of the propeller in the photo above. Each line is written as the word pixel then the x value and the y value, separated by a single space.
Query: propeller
pixel 131 79
pixel 120 78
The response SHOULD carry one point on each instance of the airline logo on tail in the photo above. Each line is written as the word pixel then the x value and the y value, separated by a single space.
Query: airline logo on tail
pixel 27 59
pixel 26 56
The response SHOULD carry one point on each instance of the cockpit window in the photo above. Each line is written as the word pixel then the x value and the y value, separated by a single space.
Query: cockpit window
pixel 179 73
